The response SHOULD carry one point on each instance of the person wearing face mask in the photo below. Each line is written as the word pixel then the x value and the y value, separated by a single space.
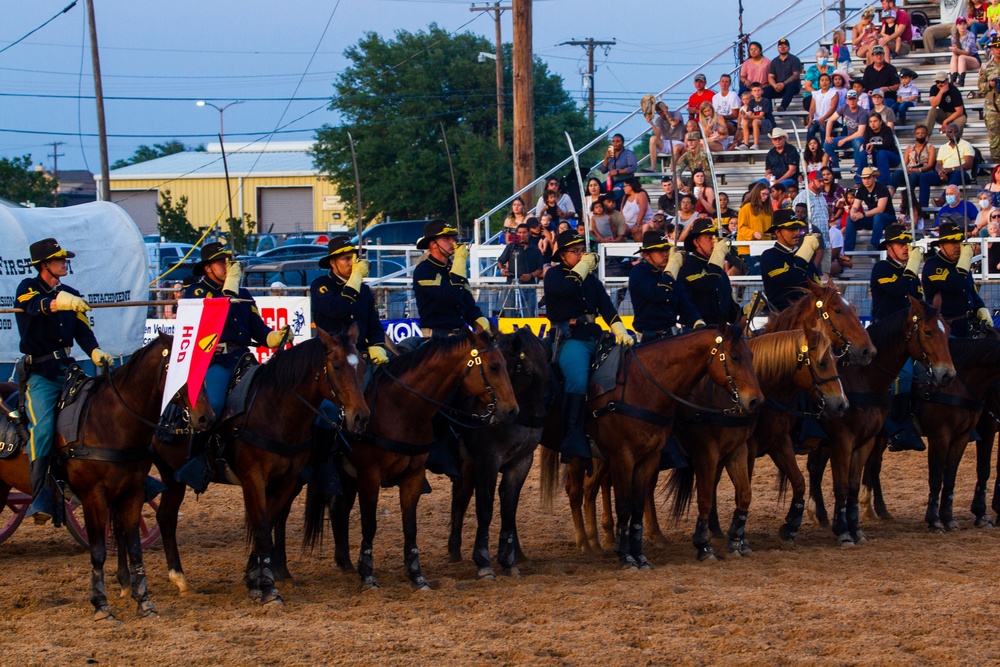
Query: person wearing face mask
pixel 919 158
pixel 986 211
pixel 955 208
pixel 810 80
pixel 949 274
pixel 954 161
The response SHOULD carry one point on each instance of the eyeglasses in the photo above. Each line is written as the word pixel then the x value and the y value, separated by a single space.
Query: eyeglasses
pixel 995 217
pixel 574 251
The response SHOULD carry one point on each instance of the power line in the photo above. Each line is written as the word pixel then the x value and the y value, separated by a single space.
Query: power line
pixel 18 41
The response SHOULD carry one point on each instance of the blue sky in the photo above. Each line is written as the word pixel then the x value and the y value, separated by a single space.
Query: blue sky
pixel 223 50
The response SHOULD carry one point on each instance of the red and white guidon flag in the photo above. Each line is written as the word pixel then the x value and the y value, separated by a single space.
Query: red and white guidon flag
pixel 196 335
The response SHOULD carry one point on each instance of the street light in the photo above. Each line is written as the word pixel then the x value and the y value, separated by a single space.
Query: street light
pixel 221 110
pixel 222 146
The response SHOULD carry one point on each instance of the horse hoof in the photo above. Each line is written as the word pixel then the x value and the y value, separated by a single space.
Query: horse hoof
pixel 643 563
pixel 486 573
pixel 512 572
pixel 845 540
pixel 787 534
pixel 104 614
pixel 255 593
pixel 859 537
pixel 952 525
pixel 984 522
pixel 123 593
pixel 628 563
pixel 420 584
pixel 369 583
pixel 146 609
pixel 936 527
pixel 740 547
pixel 454 557
pixel 180 581
pixel 707 555
pixel 272 597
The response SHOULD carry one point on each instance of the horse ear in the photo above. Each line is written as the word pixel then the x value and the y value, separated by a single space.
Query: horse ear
pixel 936 301
pixel 165 339
pixel 325 337
pixel 353 333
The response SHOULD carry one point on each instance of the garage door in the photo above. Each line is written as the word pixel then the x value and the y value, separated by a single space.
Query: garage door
pixel 285 209
pixel 141 207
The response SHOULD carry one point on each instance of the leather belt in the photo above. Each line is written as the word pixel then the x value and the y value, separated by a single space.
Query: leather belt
pixel 226 348
pixel 63 353
pixel 583 319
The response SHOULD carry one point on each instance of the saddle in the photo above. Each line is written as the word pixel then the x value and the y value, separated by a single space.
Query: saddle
pixel 604 370
pixel 73 403
pixel 13 432
pixel 239 390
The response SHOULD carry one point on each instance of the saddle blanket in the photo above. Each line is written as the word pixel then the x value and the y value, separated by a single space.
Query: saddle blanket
pixel 236 399
pixel 68 419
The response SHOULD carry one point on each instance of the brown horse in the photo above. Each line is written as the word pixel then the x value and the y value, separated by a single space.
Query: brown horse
pixel 918 332
pixel 630 423
pixel 785 363
pixel 404 395
pixel 268 444
pixel 107 466
pixel 507 449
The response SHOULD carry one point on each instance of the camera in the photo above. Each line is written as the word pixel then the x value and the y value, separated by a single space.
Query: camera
pixel 996 82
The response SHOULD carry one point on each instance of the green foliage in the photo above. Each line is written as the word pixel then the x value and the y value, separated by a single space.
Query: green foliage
pixel 144 152
pixel 393 99
pixel 20 183
pixel 174 225
pixel 238 231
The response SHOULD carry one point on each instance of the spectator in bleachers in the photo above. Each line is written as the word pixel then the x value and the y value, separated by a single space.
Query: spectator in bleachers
pixel 881 75
pixel 753 221
pixel 521 262
pixel 887 35
pixel 781 165
pixel 916 221
pixel 668 133
pixel 694 156
pixel 617 219
pixel 993 248
pixel 792 191
pixel 962 213
pixel 686 214
pixel 715 128
pixel 832 193
pixel 864 101
pixel 810 80
pixel 839 81
pixel 658 223
pixel 667 202
pixel 978 23
pixel 902 29
pixel 855 122
pixel 754 69
pixel 779 197
pixel 813 156
pixel 964 52
pixel 603 229
pixel 594 191
pixel 986 212
pixel 700 95
pixel 758 118
pixel 704 193
pixel 950 11
pixel 993 17
pixel 841 51
pixel 562 202
pixel 879 148
pixel 838 260
pixel 726 214
pixel 879 106
pixel 946 104
pixel 516 216
pixel 819 215
pixel 989 77
pixel 170 311
pixel 822 105
pixel 635 205
pixel 538 238
pixel 727 103
pixel 994 186
pixel 954 160
pixel 907 95
pixel 864 35
pixel 872 209
pixel 619 163
pixel 784 76
pixel 919 158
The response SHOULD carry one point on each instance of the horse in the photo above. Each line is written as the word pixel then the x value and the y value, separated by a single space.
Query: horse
pixel 629 425
pixel 508 449
pixel 405 394
pixel 106 467
pixel 785 363
pixel 918 332
pixel 267 446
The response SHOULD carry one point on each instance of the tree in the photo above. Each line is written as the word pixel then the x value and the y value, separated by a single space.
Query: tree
pixel 392 101
pixel 20 183
pixel 174 225
pixel 144 152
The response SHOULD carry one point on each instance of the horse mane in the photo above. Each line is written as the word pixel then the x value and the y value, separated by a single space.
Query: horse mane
pixel 409 361
pixel 775 355
pixel 966 352
pixel 285 370
pixel 123 372
pixel 886 332
pixel 787 319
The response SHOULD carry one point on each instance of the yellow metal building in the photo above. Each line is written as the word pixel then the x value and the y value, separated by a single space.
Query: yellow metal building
pixel 276 184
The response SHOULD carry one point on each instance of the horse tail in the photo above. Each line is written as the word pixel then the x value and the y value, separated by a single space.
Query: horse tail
pixel 679 487
pixel 549 477
pixel 317 499
pixel 782 486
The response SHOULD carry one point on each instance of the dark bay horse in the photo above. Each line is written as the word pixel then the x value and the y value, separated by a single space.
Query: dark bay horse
pixel 404 395
pixel 918 332
pixel 107 466
pixel 630 423
pixel 507 449
pixel 785 363
pixel 268 444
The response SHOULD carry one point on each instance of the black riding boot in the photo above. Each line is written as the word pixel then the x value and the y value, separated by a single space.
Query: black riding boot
pixel 574 443
pixel 43 504
pixel 196 472
pixel 953 78
pixel 961 79
pixel 904 435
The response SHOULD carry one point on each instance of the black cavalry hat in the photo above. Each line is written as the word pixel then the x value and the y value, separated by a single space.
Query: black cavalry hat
pixel 699 227
pixel 433 230
pixel 784 219
pixel 896 234
pixel 654 240
pixel 338 245
pixel 209 253
pixel 948 231
pixel 567 239
pixel 48 249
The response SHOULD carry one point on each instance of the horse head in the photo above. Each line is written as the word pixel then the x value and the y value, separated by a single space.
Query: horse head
pixel 344 370
pixel 842 324
pixel 200 416
pixel 927 340
pixel 730 365
pixel 486 378
pixel 817 372
pixel 527 361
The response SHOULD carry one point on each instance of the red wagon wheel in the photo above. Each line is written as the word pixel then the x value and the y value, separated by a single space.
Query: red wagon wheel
pixel 17 504
pixel 149 530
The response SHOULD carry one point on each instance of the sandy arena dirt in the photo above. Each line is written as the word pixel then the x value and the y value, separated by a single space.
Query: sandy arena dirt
pixel 905 597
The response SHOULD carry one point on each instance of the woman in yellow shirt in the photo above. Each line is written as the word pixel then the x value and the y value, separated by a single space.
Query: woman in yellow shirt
pixel 753 220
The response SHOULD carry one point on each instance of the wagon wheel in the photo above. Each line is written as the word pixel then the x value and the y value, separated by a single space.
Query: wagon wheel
pixel 17 503
pixel 149 530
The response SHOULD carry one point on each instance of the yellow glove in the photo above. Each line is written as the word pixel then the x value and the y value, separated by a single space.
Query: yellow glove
pixel 484 325
pixel 67 301
pixel 916 257
pixel 460 260
pixel 719 253
pixel 279 337
pixel 965 256
pixel 808 248
pixel 622 336
pixel 985 317
pixel 585 265
pixel 359 271
pixel 674 261
pixel 234 273
pixel 101 358
pixel 699 324
pixel 378 355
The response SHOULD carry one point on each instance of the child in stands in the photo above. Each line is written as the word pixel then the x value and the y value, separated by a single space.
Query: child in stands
pixel 841 51
pixel 907 95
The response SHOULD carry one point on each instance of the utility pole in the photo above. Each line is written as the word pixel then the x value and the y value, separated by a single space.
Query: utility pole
pixel 55 167
pixel 588 45
pixel 497 10
pixel 524 101
pixel 102 130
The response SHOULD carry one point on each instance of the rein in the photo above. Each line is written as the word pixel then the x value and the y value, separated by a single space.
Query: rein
pixel 176 431
pixel 804 360
pixel 824 314
pixel 924 357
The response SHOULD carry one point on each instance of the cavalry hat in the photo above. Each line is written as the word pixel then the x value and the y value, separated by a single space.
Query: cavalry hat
pixel 209 253
pixel 699 227
pixel 995 42
pixel 338 245
pixel 567 239
pixel 896 234
pixel 654 240
pixel 48 249
pixel 948 231
pixel 784 219
pixel 432 230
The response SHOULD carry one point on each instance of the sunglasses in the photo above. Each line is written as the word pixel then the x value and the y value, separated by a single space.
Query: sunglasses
pixel 995 217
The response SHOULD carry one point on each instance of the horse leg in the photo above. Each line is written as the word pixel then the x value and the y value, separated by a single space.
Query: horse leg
pixel 577 485
pixel 840 467
pixel 259 576
pixel 714 526
pixel 936 456
pixel 509 548
pixel 642 478
pixel 784 458
pixel 281 572
pixel 653 531
pixel 95 514
pixel 621 479
pixel 128 516
pixel 368 490
pixel 816 465
pixel 872 481
pixel 601 484
pixel 859 457
pixel 736 466
pixel 462 488
pixel 955 453
pixel 409 495
pixel 487 471
pixel 121 544
pixel 166 519
pixel 706 463
pixel 984 451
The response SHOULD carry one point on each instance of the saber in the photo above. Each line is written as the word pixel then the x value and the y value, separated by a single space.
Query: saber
pixel 357 189
pixel 802 170
pixel 909 192
pixel 125 304
pixel 715 180
pixel 583 192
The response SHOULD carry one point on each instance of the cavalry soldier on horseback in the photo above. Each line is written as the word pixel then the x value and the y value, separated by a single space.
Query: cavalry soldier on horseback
pixel 444 299
pixel 893 280
pixel 658 298
pixel 220 277
pixel 948 273
pixel 574 298
pixel 52 320
pixel 788 265
pixel 703 274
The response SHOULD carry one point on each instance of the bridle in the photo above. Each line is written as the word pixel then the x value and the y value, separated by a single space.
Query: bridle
pixel 817 381
pixel 824 314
